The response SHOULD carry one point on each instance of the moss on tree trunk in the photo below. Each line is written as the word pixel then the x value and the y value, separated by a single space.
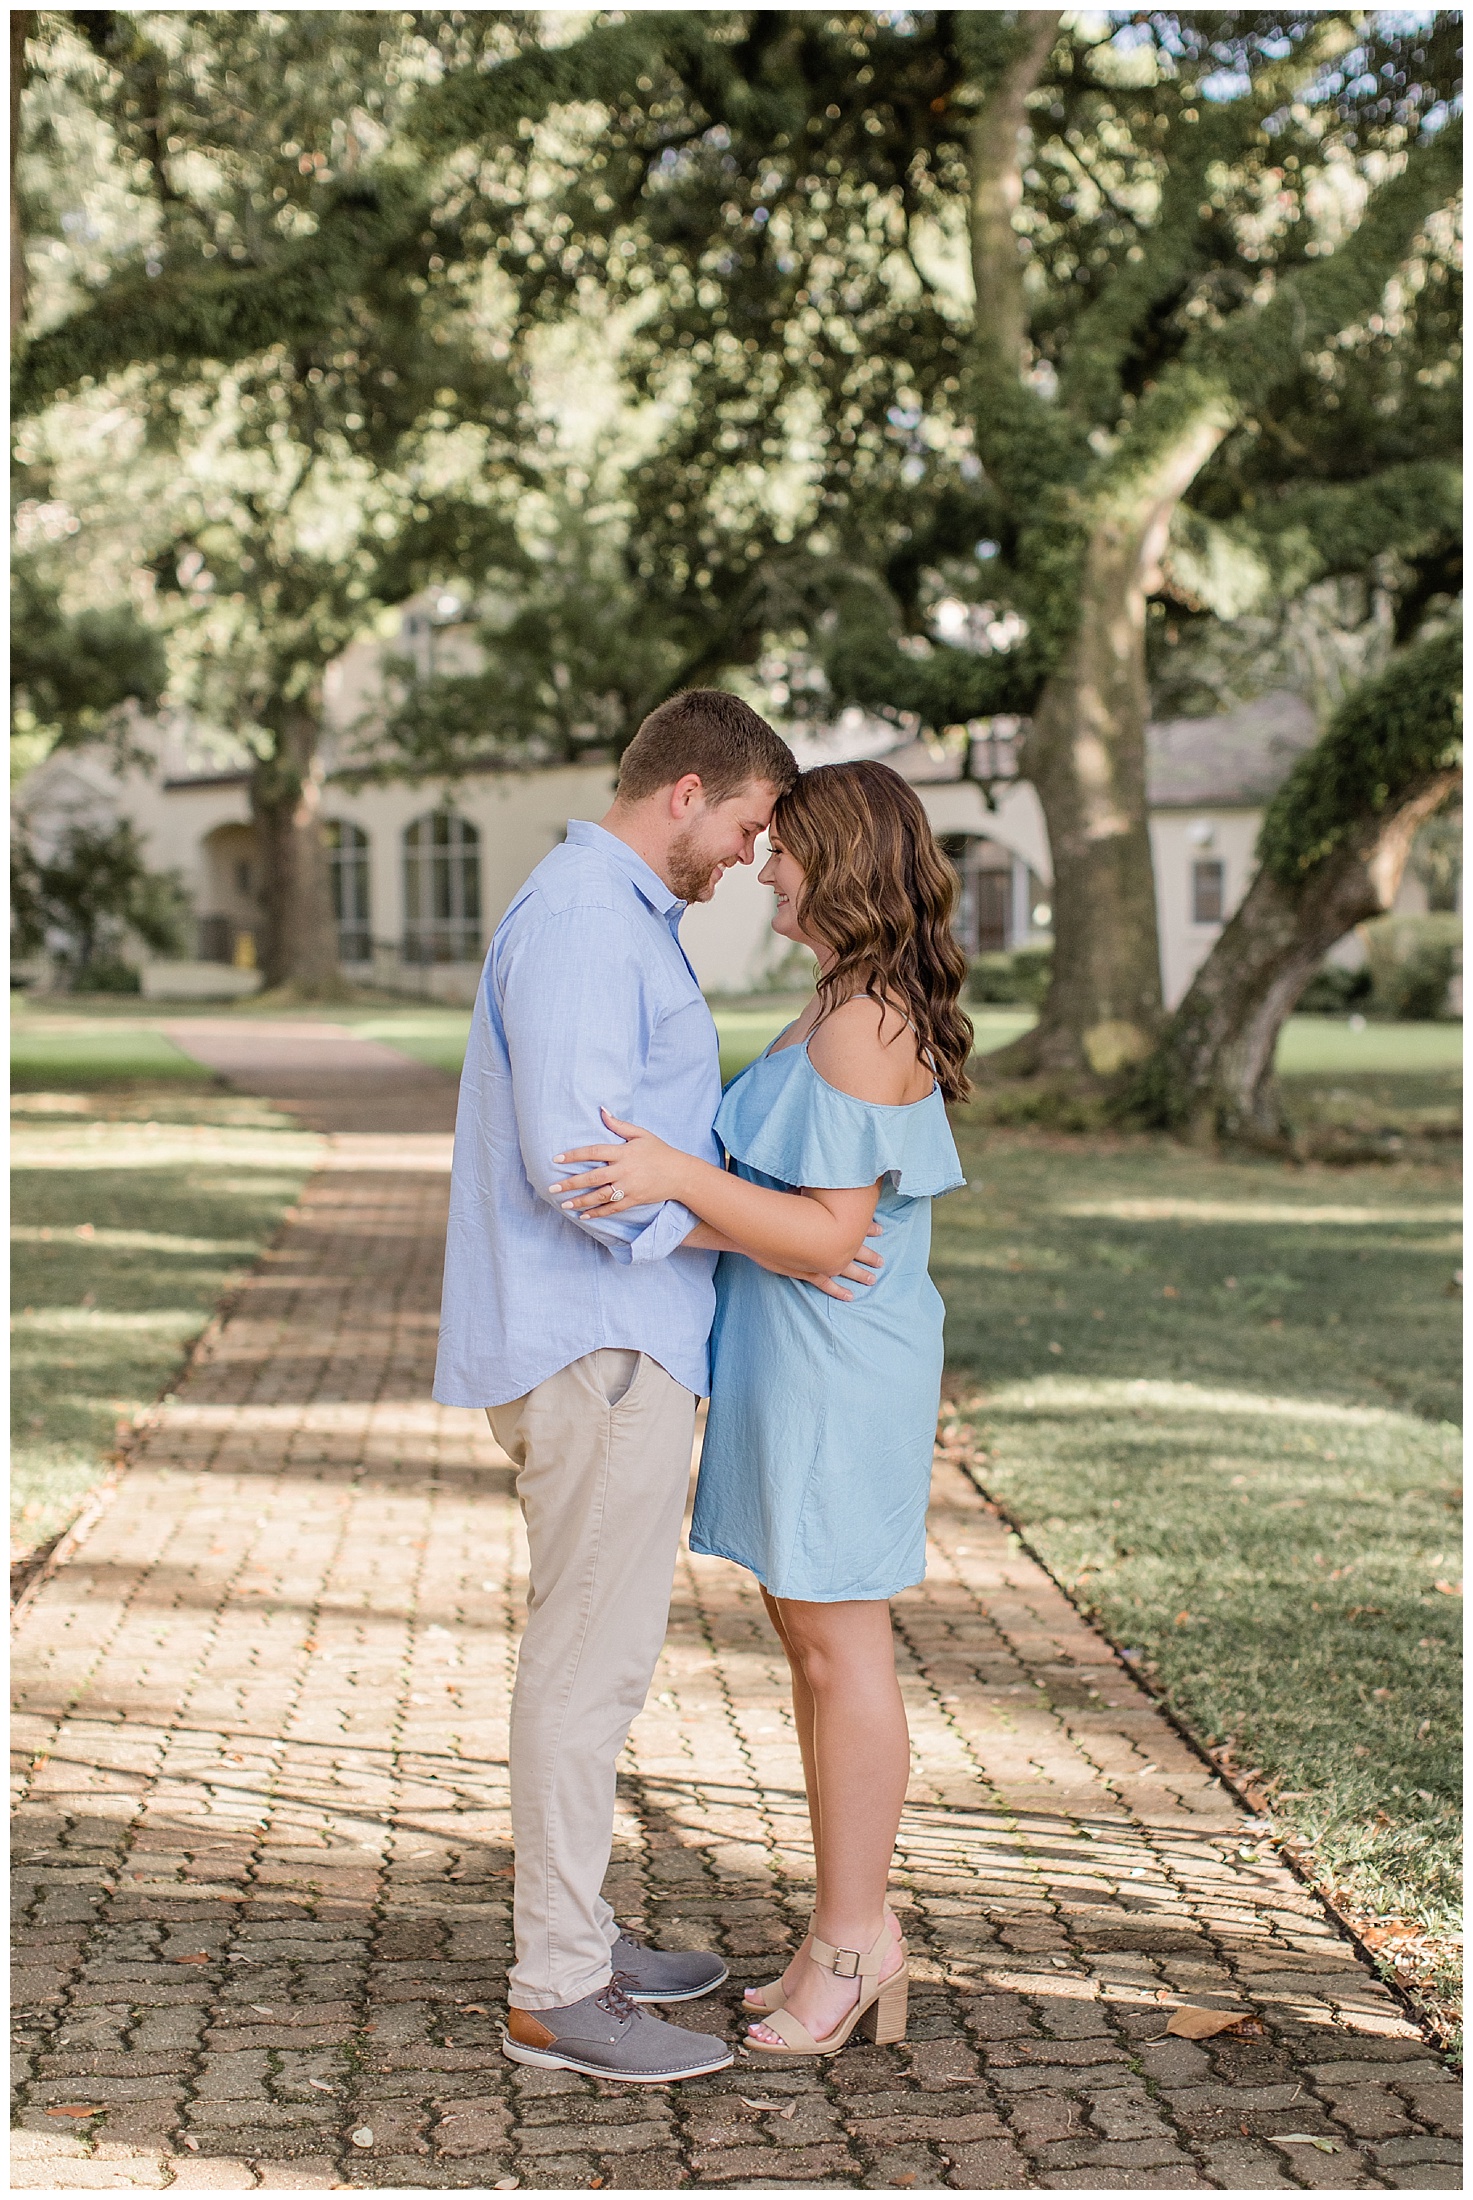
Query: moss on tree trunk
pixel 1333 849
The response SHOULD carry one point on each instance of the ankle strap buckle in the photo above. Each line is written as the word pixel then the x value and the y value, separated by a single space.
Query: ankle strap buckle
pixel 846 1962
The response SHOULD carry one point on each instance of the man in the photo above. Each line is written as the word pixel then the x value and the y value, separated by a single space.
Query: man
pixel 585 1337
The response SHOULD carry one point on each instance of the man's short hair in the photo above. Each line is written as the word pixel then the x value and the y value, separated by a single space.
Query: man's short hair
pixel 713 734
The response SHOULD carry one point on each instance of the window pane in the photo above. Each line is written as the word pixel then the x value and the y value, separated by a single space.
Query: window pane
pixel 1207 893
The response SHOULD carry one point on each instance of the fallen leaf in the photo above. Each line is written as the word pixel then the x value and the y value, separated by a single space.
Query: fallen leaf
pixel 505 2184
pixel 363 2136
pixel 1448 1588
pixel 322 2085
pixel 74 2110
pixel 475 2009
pixel 1304 2139
pixel 1392 1928
pixel 263 2009
pixel 192 2144
pixel 1182 1618
pixel 594 2183
pixel 191 1959
pixel 785 2109
pixel 1192 2023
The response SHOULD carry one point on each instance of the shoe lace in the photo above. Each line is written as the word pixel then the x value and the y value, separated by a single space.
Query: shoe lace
pixel 614 2000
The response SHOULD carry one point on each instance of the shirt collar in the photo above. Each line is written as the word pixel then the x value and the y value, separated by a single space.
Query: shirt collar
pixel 647 883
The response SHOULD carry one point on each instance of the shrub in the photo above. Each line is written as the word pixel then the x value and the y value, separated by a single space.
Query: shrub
pixel 1011 977
pixel 1413 960
pixel 87 896
pixel 106 974
pixel 1334 991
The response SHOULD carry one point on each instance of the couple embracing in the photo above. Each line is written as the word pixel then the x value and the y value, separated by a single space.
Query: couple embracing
pixel 620 1232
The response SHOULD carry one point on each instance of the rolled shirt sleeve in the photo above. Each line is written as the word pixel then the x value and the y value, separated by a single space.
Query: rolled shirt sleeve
pixel 578 1010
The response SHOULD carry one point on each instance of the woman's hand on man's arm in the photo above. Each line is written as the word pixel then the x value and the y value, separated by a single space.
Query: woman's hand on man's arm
pixel 817 1231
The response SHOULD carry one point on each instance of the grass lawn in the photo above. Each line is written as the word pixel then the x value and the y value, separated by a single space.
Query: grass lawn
pixel 54 1052
pixel 134 1208
pixel 1218 1397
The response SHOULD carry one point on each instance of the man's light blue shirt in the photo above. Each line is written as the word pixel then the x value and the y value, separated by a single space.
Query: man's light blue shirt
pixel 586 1000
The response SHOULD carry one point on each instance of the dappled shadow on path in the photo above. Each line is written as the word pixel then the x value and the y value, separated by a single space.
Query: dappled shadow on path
pixel 263 1844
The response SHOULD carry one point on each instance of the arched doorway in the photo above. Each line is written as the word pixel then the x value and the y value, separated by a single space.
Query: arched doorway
pixel 229 912
pixel 1001 904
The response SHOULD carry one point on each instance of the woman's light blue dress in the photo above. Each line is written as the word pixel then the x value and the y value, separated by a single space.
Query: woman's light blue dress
pixel 816 1468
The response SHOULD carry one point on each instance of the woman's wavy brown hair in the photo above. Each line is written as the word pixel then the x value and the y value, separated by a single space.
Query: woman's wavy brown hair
pixel 877 889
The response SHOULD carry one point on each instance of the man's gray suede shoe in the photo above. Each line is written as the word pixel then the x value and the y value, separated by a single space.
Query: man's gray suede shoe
pixel 606 2036
pixel 664 1974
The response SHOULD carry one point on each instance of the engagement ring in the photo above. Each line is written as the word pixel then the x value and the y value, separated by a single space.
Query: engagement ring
pixel 614 1192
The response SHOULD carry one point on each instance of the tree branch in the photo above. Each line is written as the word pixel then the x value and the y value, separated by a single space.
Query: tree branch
pixel 1277 550
pixel 190 313
pixel 995 159
pixel 1241 364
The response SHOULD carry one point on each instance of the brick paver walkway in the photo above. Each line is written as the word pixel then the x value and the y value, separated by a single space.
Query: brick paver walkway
pixel 262 1835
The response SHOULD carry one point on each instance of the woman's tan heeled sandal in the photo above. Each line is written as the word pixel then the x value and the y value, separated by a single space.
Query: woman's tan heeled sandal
pixel 883 2002
pixel 762 2000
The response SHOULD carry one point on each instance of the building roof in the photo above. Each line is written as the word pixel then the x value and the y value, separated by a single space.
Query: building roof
pixel 1237 761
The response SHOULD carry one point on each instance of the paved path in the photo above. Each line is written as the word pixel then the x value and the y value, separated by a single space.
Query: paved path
pixel 324 1073
pixel 262 1836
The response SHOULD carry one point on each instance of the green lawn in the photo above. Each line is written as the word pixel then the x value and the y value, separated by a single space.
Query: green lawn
pixel 1219 1397
pixel 54 1052
pixel 133 1211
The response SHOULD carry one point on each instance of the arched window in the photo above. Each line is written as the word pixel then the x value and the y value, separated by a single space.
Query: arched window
pixel 442 890
pixel 347 858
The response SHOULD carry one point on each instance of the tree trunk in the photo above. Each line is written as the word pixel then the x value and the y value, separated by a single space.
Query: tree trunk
pixel 1212 1076
pixel 1086 755
pixel 299 939
pixel 1086 750
pixel 21 21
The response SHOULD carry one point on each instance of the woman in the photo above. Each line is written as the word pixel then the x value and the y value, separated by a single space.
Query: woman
pixel 817 1461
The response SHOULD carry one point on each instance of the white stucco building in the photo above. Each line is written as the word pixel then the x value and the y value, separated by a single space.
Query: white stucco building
pixel 422 873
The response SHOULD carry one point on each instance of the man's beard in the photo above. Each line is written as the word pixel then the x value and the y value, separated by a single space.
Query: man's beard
pixel 691 868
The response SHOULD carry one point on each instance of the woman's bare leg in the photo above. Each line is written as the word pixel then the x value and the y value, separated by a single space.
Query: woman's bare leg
pixel 803 1723
pixel 845 1654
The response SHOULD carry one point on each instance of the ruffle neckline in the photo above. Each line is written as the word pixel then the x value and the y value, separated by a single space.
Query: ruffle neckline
pixel 800 1129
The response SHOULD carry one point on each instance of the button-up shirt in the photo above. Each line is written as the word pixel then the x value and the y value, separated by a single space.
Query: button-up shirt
pixel 586 1000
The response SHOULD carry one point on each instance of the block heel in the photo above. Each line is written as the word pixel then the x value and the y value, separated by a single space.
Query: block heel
pixel 885 2018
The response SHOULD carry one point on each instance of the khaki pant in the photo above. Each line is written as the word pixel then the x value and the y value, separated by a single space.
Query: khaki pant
pixel 603 1450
